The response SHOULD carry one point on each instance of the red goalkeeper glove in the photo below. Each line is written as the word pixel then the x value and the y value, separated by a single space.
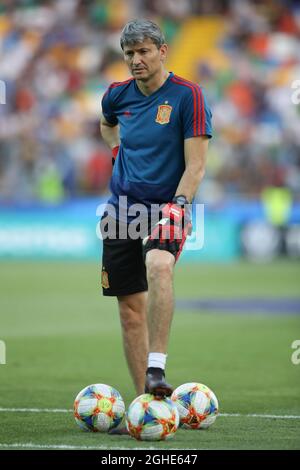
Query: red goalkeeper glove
pixel 171 230
pixel 115 152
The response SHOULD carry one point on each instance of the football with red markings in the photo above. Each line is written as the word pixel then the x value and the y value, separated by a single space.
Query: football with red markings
pixel 152 419
pixel 197 405
pixel 98 408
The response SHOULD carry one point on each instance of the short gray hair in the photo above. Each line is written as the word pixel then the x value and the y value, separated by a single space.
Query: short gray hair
pixel 136 31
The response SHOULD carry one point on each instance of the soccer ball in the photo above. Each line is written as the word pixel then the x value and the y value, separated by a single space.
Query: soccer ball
pixel 197 405
pixel 98 408
pixel 152 419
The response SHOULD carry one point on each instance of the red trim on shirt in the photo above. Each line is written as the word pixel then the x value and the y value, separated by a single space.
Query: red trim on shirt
pixel 197 93
pixel 203 122
pixel 116 84
pixel 179 82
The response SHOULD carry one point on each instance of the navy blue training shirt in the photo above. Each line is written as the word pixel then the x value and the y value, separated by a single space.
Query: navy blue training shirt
pixel 150 161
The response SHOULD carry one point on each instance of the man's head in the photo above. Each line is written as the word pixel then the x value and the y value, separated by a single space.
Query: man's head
pixel 144 48
pixel 136 31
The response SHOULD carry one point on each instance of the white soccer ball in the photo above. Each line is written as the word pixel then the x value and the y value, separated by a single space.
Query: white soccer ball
pixel 152 419
pixel 98 408
pixel 197 405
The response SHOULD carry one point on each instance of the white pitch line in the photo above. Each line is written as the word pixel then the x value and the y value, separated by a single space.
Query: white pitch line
pixel 31 445
pixel 238 415
pixel 225 415
pixel 34 410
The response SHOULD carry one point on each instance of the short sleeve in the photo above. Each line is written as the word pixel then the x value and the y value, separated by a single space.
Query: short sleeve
pixel 107 109
pixel 196 113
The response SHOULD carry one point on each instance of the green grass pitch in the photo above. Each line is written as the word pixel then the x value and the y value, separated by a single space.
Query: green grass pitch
pixel 61 335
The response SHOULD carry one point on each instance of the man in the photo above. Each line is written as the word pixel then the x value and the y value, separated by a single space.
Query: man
pixel 157 126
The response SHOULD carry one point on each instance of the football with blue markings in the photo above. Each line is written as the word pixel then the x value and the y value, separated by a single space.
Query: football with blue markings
pixel 152 419
pixel 98 408
pixel 197 405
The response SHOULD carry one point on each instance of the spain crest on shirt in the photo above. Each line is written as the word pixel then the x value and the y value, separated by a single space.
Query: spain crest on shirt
pixel 163 114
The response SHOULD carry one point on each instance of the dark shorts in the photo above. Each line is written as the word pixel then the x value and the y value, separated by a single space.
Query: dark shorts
pixel 123 259
pixel 123 267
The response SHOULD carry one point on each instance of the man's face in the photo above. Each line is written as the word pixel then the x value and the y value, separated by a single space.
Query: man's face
pixel 144 59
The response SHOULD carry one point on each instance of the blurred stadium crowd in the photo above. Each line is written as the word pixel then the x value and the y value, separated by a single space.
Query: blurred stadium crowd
pixel 58 57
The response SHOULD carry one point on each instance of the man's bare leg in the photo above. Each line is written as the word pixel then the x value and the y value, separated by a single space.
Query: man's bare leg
pixel 160 307
pixel 133 316
pixel 160 264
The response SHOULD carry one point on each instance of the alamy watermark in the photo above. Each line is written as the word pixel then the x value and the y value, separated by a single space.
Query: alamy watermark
pixel 2 92
pixel 139 221
pixel 295 357
pixel 2 352
pixel 296 94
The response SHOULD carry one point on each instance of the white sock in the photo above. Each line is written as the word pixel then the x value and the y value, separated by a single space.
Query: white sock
pixel 157 360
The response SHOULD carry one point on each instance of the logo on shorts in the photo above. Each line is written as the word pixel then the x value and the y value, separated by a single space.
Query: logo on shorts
pixel 104 280
pixel 163 114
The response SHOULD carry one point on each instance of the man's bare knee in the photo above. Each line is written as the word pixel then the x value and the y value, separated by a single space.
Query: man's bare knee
pixel 159 264
pixel 132 310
